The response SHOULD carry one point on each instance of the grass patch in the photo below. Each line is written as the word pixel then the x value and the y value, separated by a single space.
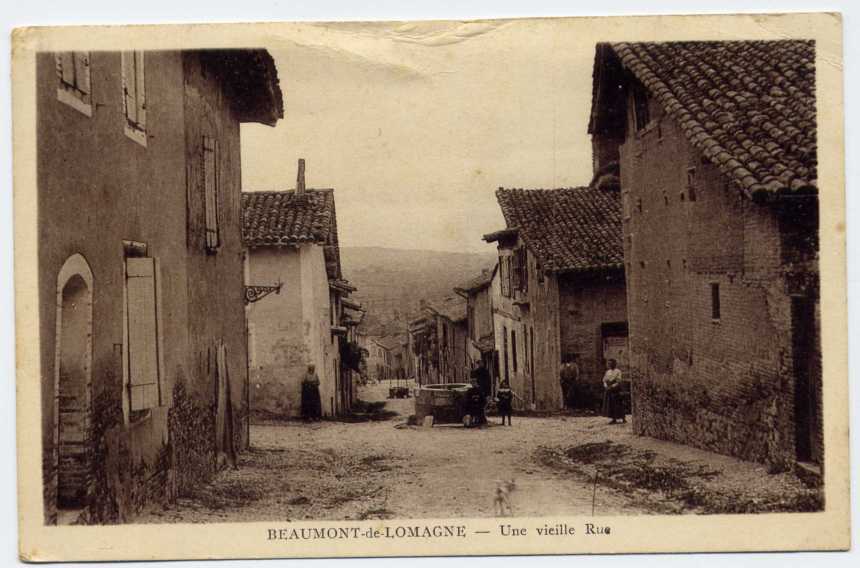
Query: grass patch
pixel 669 483
pixel 226 495
pixel 376 513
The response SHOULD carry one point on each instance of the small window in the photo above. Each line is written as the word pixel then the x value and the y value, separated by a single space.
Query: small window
pixel 639 204
pixel 211 182
pixel 691 184
pixel 715 301
pixel 505 351
pixel 665 199
pixel 505 276
pixel 642 264
pixel 640 107
pixel 73 74
pixel 514 349
pixel 134 95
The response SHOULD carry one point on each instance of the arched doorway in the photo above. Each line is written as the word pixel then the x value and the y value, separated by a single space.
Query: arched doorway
pixel 72 384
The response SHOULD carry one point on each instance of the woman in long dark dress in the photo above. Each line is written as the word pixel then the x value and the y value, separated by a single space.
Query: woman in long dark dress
pixel 613 406
pixel 311 404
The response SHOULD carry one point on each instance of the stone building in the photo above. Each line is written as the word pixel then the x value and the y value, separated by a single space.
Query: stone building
pixel 376 358
pixel 386 357
pixel 716 146
pixel 448 316
pixel 480 330
pixel 143 349
pixel 423 349
pixel 292 243
pixel 439 338
pixel 561 289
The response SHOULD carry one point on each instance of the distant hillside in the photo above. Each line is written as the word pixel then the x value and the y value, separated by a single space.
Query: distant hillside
pixel 391 282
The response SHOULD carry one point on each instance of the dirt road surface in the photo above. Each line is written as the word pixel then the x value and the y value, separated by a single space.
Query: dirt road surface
pixel 386 469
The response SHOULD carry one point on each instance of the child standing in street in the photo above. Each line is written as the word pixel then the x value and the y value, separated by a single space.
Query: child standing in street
pixel 505 398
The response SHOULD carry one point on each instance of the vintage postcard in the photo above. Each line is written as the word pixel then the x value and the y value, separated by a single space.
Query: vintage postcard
pixel 536 286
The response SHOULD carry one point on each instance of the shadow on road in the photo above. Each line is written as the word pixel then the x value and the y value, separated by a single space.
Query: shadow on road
pixel 364 411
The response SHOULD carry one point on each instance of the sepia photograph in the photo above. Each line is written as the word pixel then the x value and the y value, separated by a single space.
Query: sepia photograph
pixel 331 278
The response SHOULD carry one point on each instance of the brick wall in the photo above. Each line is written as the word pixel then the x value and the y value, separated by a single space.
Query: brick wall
pixel 720 383
pixel 586 303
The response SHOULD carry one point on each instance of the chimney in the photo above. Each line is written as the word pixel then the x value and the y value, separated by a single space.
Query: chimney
pixel 300 178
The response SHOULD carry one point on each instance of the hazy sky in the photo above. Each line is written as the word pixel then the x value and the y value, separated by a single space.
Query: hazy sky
pixel 416 125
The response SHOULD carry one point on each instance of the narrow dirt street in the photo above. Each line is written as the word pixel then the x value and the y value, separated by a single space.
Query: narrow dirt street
pixel 386 469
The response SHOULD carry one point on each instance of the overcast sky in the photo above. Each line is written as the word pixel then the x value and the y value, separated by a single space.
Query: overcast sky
pixel 416 125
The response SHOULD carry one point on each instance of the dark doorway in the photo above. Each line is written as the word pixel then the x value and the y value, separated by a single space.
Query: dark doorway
pixel 806 351
pixel 73 397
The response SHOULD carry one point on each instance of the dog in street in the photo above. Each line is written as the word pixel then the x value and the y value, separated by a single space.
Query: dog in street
pixel 502 499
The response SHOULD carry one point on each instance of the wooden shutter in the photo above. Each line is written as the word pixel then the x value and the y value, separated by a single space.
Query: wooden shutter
pixel 67 67
pixel 128 86
pixel 140 89
pixel 143 333
pixel 210 187
pixel 82 71
pixel 504 281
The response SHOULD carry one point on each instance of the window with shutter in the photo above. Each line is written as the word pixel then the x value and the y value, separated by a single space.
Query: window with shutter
pixel 134 95
pixel 210 188
pixel 73 74
pixel 523 260
pixel 504 279
pixel 144 351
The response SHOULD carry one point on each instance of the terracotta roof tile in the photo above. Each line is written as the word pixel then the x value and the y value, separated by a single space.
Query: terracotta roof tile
pixel 452 307
pixel 479 282
pixel 749 106
pixel 280 218
pixel 568 229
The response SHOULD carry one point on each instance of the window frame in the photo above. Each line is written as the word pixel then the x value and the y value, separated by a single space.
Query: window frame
pixel 641 110
pixel 692 183
pixel 134 87
pixel 716 302
pixel 211 156
pixel 76 93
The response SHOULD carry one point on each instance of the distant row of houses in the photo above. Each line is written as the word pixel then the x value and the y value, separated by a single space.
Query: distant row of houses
pixel 690 258
pixel 171 304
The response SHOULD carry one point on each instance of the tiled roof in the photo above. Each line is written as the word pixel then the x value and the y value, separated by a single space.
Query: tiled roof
pixel 280 218
pixel 254 87
pixel 571 229
pixel 452 307
pixel 748 106
pixel 390 342
pixel 479 282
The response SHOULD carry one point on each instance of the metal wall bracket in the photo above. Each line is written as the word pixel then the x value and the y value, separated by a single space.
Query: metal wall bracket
pixel 257 293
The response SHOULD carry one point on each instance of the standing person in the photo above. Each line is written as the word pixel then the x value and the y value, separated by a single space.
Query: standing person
pixel 569 377
pixel 481 375
pixel 613 406
pixel 505 397
pixel 311 404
